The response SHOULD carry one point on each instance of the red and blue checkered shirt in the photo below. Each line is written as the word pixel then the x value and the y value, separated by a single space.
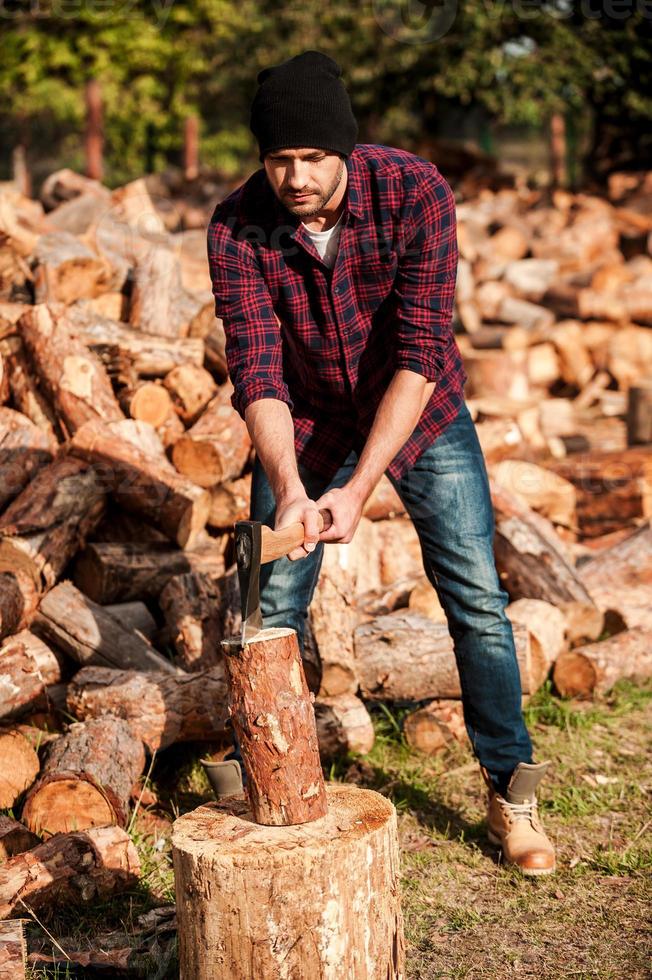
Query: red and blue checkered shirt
pixel 328 341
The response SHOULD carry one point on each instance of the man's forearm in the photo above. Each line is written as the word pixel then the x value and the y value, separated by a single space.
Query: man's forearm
pixel 272 433
pixel 396 418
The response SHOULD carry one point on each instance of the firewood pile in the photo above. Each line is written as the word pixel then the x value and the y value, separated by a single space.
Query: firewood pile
pixel 124 467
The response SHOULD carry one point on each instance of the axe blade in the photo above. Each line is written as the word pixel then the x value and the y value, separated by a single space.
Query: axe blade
pixel 248 544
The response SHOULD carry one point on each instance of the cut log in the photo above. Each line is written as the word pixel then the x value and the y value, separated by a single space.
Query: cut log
pixel 147 401
pixel 620 578
pixel 613 489
pixel 86 779
pixel 27 667
pixel 546 625
pixel 149 355
pixel 274 721
pixel 15 838
pixel 435 727
pixel 108 572
pixel 503 372
pixel 200 611
pixel 499 439
pixel 19 598
pixel 384 502
pixel 20 766
pixel 13 950
pixel 596 667
pixel 583 622
pixel 72 377
pixel 85 631
pixel 66 269
pixel 161 708
pixel 135 616
pixel 155 293
pixel 230 502
pixel 343 726
pixel 50 520
pixel 539 488
pixel 333 619
pixel 27 397
pixel 143 485
pixel 69 869
pixel 191 388
pixel 425 601
pixel 239 888
pixel 24 449
pixel 217 447
pixel 639 413
pixel 405 654
pixel 530 557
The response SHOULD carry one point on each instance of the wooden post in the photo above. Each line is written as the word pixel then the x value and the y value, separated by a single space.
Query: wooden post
pixel 274 720
pixel 318 900
pixel 94 134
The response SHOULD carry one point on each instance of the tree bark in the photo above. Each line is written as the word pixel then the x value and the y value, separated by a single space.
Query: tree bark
pixel 74 868
pixel 86 779
pixel 24 449
pixel 274 720
pixel 408 657
pixel 19 597
pixel 161 708
pixel 317 900
pixel 27 397
pixel 596 667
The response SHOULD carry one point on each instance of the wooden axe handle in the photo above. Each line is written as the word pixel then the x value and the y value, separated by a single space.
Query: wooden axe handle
pixel 276 544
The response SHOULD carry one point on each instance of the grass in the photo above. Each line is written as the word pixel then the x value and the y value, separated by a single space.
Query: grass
pixel 466 915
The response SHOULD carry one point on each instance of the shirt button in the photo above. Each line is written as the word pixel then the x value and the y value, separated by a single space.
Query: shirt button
pixel 338 290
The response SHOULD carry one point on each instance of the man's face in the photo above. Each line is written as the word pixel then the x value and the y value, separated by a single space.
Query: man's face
pixel 304 179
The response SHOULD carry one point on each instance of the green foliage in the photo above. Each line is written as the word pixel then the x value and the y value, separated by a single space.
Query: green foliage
pixel 160 60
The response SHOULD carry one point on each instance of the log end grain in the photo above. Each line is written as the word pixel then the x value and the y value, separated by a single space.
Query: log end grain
pixel 20 766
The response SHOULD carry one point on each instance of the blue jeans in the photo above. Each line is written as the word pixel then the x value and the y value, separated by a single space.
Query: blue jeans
pixel 446 494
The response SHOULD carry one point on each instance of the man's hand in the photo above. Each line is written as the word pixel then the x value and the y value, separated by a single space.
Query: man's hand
pixel 346 507
pixel 306 511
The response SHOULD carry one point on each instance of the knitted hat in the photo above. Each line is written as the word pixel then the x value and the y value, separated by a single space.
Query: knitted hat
pixel 302 102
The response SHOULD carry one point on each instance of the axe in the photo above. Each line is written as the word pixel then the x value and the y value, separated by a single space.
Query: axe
pixel 256 544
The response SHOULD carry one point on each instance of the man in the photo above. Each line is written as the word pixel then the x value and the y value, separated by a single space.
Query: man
pixel 334 270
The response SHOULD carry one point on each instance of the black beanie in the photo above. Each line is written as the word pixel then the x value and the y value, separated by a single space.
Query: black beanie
pixel 302 102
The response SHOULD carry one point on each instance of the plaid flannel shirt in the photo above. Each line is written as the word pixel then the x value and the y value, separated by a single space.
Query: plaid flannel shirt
pixel 328 341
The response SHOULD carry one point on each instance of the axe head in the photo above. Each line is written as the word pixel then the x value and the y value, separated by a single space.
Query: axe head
pixel 248 547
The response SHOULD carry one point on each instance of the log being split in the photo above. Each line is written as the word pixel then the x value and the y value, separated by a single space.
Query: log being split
pixel 87 777
pixel 318 900
pixel 274 720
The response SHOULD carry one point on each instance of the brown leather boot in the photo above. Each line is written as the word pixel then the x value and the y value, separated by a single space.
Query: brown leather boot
pixel 513 821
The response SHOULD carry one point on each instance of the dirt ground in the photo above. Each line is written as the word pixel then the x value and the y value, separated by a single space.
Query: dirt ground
pixel 466 915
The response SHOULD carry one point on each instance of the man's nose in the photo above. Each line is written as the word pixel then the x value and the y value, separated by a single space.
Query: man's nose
pixel 297 176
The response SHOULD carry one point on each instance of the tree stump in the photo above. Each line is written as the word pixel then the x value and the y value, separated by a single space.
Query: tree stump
pixel 318 900
pixel 274 720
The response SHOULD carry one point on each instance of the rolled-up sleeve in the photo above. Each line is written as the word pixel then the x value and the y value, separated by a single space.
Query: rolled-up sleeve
pixel 252 329
pixel 424 286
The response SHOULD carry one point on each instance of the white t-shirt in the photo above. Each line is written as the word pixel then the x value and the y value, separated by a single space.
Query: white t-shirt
pixel 327 242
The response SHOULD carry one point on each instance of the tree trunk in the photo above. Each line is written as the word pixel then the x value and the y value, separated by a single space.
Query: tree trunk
pixel 14 839
pixel 50 520
pixel 161 708
pixel 87 778
pixel 69 869
pixel 83 630
pixel 318 900
pixel 596 667
pixel 343 726
pixel 274 720
pixel 143 485
pixel 24 449
pixel 408 657
pixel 27 667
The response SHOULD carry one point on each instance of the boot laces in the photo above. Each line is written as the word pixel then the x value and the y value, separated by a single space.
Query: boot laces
pixel 520 811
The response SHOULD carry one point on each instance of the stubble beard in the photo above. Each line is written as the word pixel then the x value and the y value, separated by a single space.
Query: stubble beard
pixel 299 209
